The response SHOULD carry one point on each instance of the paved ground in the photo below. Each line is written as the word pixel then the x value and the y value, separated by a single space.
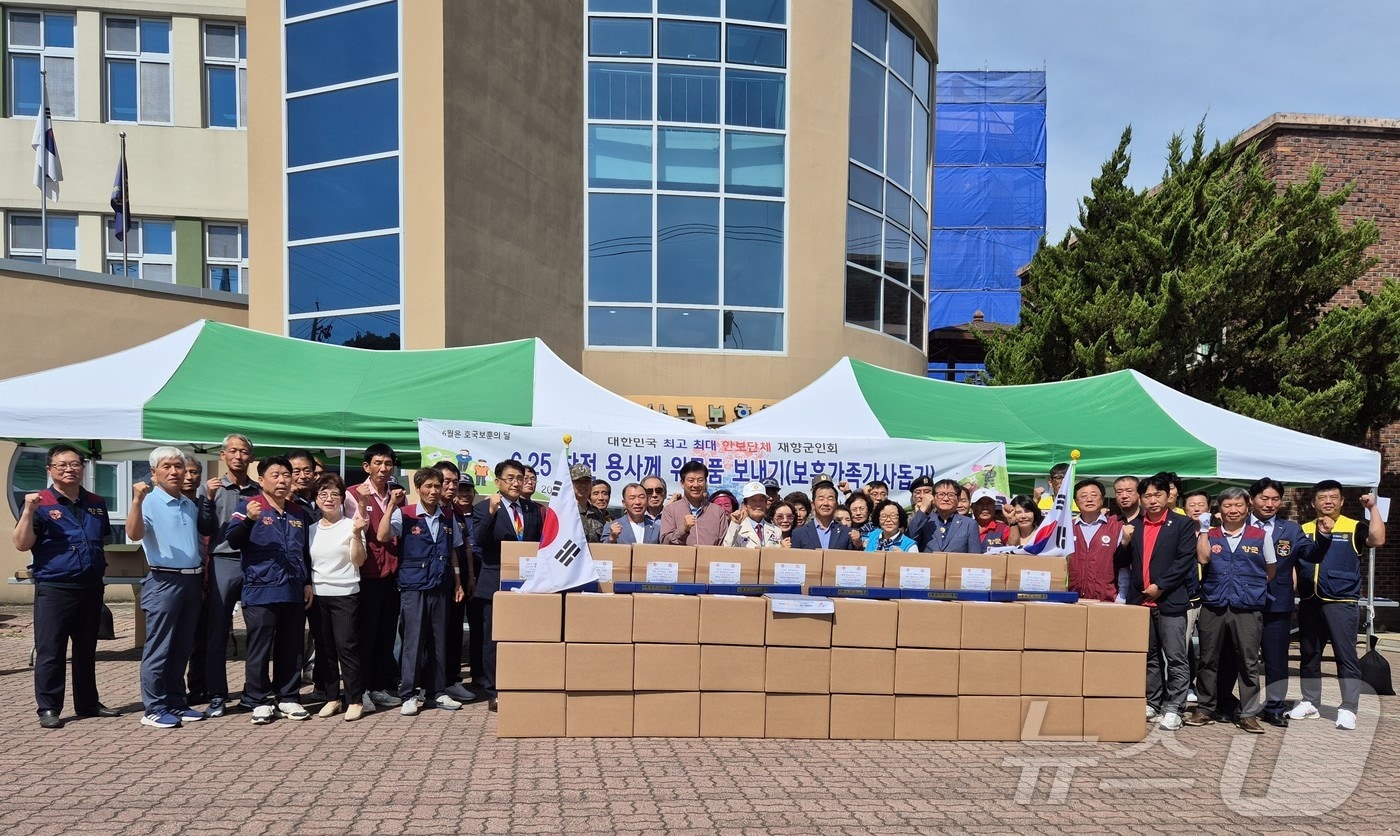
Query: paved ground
pixel 446 772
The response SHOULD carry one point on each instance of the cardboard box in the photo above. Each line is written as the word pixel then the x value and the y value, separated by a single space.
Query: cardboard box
pixel 613 561
pixel 598 715
pixel 1114 720
pixel 597 617
pixel 930 624
pixel 797 670
pixel 924 671
pixel 842 567
pixel 989 673
pixel 862 670
pixel 1052 718
pixel 926 718
pixel 861 717
pixel 519 617
pixel 1035 573
pixel 732 715
pixel 975 571
pixel 666 619
pixel 988 718
pixel 797 629
pixel 732 619
pixel 797 716
pixel 790 566
pixel 726 566
pixel 669 714
pixel 1055 626
pixel 732 667
pixel 666 667
pixel 1115 674
pixel 124 560
pixel 530 666
pixel 663 564
pixel 915 570
pixel 530 714
pixel 993 626
pixel 863 623
pixel 512 553
pixel 1121 628
pixel 1052 673
pixel 598 667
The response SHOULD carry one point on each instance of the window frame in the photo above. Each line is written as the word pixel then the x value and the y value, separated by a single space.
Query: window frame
pixel 137 59
pixel 43 52
pixel 56 257
pixel 138 257
pixel 239 65
pixel 239 265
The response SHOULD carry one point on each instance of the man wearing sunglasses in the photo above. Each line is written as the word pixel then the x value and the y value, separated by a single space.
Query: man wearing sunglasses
pixel 655 488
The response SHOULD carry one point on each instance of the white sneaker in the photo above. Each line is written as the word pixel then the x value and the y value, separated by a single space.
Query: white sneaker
pixel 264 714
pixel 446 702
pixel 1304 710
pixel 1152 713
pixel 1191 696
pixel 367 704
pixel 410 707
pixel 1346 719
pixel 384 699
pixel 293 711
pixel 1171 721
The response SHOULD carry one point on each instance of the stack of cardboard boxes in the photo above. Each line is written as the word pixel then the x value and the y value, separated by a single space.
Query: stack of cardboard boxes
pixel 646 665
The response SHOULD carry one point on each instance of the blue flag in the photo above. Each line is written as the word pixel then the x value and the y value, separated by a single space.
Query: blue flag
pixel 121 201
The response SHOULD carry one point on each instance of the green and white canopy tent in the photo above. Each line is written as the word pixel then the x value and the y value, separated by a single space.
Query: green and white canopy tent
pixel 200 383
pixel 1123 422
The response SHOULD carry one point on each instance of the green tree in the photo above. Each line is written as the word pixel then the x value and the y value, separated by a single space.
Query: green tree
pixel 1219 283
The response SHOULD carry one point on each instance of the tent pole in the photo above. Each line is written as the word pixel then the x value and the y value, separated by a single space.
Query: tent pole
pixel 1371 581
pixel 342 463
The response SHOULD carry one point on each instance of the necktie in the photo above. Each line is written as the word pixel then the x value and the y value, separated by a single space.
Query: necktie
pixel 758 526
pixel 519 523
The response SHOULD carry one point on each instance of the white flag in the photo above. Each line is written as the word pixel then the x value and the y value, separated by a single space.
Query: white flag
pixel 1055 536
pixel 47 169
pixel 564 561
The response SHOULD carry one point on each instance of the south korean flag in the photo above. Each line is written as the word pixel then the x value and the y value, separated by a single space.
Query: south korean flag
pixel 564 561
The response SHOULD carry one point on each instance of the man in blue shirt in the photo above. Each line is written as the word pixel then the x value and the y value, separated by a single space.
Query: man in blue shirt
pixel 169 525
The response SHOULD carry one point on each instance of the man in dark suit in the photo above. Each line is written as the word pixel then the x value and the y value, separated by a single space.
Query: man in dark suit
pixel 938 527
pixel 502 516
pixel 1164 557
pixel 635 526
pixel 822 531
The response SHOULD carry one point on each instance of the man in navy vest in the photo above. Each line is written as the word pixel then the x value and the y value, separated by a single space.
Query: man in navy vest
pixel 1290 545
pixel 64 527
pixel 1329 587
pixel 1237 561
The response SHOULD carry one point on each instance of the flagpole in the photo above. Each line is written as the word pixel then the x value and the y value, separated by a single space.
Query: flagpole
pixel 126 202
pixel 43 184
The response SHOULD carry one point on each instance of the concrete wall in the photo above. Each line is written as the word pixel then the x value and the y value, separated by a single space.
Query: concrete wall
pixel 266 238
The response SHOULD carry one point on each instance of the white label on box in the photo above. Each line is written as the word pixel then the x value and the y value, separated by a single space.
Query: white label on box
pixel 724 573
pixel 660 571
pixel 527 567
pixel 1035 580
pixel 976 577
pixel 604 570
pixel 914 577
pixel 800 603
pixel 790 574
pixel 850 575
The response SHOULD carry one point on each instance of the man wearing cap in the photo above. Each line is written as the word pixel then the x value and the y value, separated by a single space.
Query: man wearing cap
pixel 635 526
pixel 747 528
pixel 920 495
pixel 772 490
pixel 594 521
pixel 992 530
pixel 939 525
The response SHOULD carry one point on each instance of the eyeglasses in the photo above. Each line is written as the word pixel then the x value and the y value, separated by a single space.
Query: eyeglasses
pixel 329 492
pixel 67 465
pixel 889 518
pixel 946 494
pixel 782 517
pixel 510 480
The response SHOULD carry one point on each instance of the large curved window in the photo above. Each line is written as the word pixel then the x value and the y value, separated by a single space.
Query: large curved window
pixel 887 215
pixel 687 174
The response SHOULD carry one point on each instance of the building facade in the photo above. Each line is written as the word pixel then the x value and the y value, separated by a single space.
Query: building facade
pixel 660 189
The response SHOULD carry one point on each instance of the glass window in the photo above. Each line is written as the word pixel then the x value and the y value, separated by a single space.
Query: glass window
pixel 336 275
pixel 687 250
pixel 687 94
pixel 753 330
pixel 895 306
pixel 896 253
pixel 753 253
pixel 619 157
pixel 138 70
pixel 619 91
pixel 338 124
pixel 918 267
pixel 866 188
pixel 615 326
pixel 763 11
pixel 862 298
pixel 868 22
pixel 917 316
pixel 297 8
pixel 919 223
pixel 619 248
pixel 897 131
pixel 920 143
pixel 343 199
pixel 619 5
pixel 687 328
pixel 347 46
pixel 901 57
pixel 150 250
pixel 27 239
pixel 864 232
pixel 922 77
pixel 896 204
pixel 688 39
pixel 40 41
pixel 695 8
pixel 226 257
pixel 226 76
pixel 378 330
pixel 753 45
pixel 867 112
pixel 754 163
pixel 689 160
pixel 629 37
pixel 755 100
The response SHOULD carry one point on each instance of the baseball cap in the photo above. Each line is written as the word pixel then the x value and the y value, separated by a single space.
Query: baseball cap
pixel 753 489
pixel 464 479
pixel 988 493
pixel 921 482
pixel 580 471
pixel 771 484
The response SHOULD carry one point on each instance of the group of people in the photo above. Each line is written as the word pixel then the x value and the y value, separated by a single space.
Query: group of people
pixel 367 571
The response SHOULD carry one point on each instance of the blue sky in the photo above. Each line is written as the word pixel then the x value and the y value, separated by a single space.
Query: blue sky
pixel 1160 66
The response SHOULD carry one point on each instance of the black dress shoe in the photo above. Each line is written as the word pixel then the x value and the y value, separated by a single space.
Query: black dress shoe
pixel 49 719
pixel 100 711
pixel 1274 719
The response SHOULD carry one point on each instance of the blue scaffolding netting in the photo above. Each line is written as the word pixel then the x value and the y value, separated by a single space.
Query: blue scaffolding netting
pixel 989 192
